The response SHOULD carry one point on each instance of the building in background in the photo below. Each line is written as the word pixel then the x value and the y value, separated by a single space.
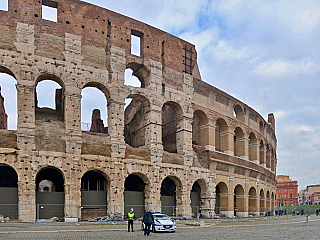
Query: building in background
pixel 302 197
pixel 287 191
pixel 312 194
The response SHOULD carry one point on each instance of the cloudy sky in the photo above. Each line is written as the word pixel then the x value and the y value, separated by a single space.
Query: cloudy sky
pixel 266 53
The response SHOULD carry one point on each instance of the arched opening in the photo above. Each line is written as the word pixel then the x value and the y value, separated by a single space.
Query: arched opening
pixel 134 188
pixel 49 99
pixel 94 112
pixel 195 199
pixel 94 195
pixel 136 121
pixel 8 100
pixel 130 79
pixel 50 203
pixel 253 198
pixel 8 192
pixel 221 140
pixel 262 154
pixel 238 112
pixel 239 201
pixel 262 202
pixel 222 195
pixel 239 143
pixel 171 114
pixel 169 195
pixel 199 130
pixel 137 74
pixel 253 147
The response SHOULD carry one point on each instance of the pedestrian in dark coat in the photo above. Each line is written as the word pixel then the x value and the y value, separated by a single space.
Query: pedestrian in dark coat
pixel 148 220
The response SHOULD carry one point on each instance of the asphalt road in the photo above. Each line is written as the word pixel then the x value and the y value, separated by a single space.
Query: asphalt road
pixel 284 228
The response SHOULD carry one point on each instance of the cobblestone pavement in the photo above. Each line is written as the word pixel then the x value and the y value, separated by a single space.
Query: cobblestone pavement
pixel 284 228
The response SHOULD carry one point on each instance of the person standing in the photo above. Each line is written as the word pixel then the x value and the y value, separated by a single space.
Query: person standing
pixel 147 220
pixel 130 219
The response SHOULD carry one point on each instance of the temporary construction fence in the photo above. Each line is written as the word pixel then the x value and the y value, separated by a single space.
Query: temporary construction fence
pixel 119 212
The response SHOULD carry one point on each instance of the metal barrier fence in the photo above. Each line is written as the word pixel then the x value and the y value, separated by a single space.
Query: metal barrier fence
pixel 118 212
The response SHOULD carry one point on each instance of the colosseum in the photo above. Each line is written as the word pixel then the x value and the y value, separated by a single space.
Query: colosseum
pixel 181 146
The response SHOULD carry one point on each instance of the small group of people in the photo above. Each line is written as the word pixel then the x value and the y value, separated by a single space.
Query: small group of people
pixel 148 219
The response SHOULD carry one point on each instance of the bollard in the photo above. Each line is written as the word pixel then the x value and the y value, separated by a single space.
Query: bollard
pixel 308 218
pixel 202 224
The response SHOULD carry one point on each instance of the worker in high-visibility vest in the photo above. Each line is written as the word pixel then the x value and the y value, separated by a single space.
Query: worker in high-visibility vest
pixel 130 219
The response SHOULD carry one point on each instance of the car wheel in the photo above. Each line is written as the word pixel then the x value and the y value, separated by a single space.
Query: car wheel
pixel 154 229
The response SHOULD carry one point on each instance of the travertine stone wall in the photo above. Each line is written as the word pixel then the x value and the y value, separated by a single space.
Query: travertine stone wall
pixel 91 47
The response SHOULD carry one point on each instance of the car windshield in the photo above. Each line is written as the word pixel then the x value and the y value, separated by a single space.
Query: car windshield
pixel 161 217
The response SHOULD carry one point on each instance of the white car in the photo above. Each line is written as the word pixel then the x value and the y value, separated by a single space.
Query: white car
pixel 162 223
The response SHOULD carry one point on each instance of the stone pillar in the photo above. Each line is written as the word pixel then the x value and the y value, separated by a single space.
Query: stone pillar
pixel 268 159
pixel 242 146
pixel 26 117
pixel 26 189
pixel 263 157
pixel 254 152
pixel 227 142
pixel 273 163
pixel 184 139
pixel 208 133
pixel 116 193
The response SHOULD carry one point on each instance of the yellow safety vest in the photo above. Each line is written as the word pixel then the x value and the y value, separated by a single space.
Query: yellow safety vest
pixel 130 216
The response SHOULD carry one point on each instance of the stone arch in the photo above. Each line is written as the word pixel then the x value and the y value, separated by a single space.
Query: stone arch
pixel 239 144
pixel 253 201
pixel 97 125
pixel 4 69
pixel 262 202
pixel 8 191
pixel 253 148
pixel 238 112
pixel 141 72
pixel 171 195
pixel 51 203
pixel 240 209
pixel 136 120
pixel 199 130
pixel 95 190
pixel 171 115
pixel 8 101
pixel 198 192
pixel 222 195
pixel 136 186
pixel 221 138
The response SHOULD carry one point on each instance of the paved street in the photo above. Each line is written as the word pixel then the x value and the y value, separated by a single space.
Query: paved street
pixel 284 228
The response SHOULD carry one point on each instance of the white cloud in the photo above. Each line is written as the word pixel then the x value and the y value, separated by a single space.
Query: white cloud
pixel 300 128
pixel 281 114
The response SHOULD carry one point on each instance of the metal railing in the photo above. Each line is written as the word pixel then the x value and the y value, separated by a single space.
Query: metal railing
pixel 59 212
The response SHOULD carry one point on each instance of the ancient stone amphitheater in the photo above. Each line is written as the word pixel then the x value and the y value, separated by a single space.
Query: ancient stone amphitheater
pixel 182 146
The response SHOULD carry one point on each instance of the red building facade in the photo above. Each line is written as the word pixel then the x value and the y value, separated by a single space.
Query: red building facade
pixel 287 191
